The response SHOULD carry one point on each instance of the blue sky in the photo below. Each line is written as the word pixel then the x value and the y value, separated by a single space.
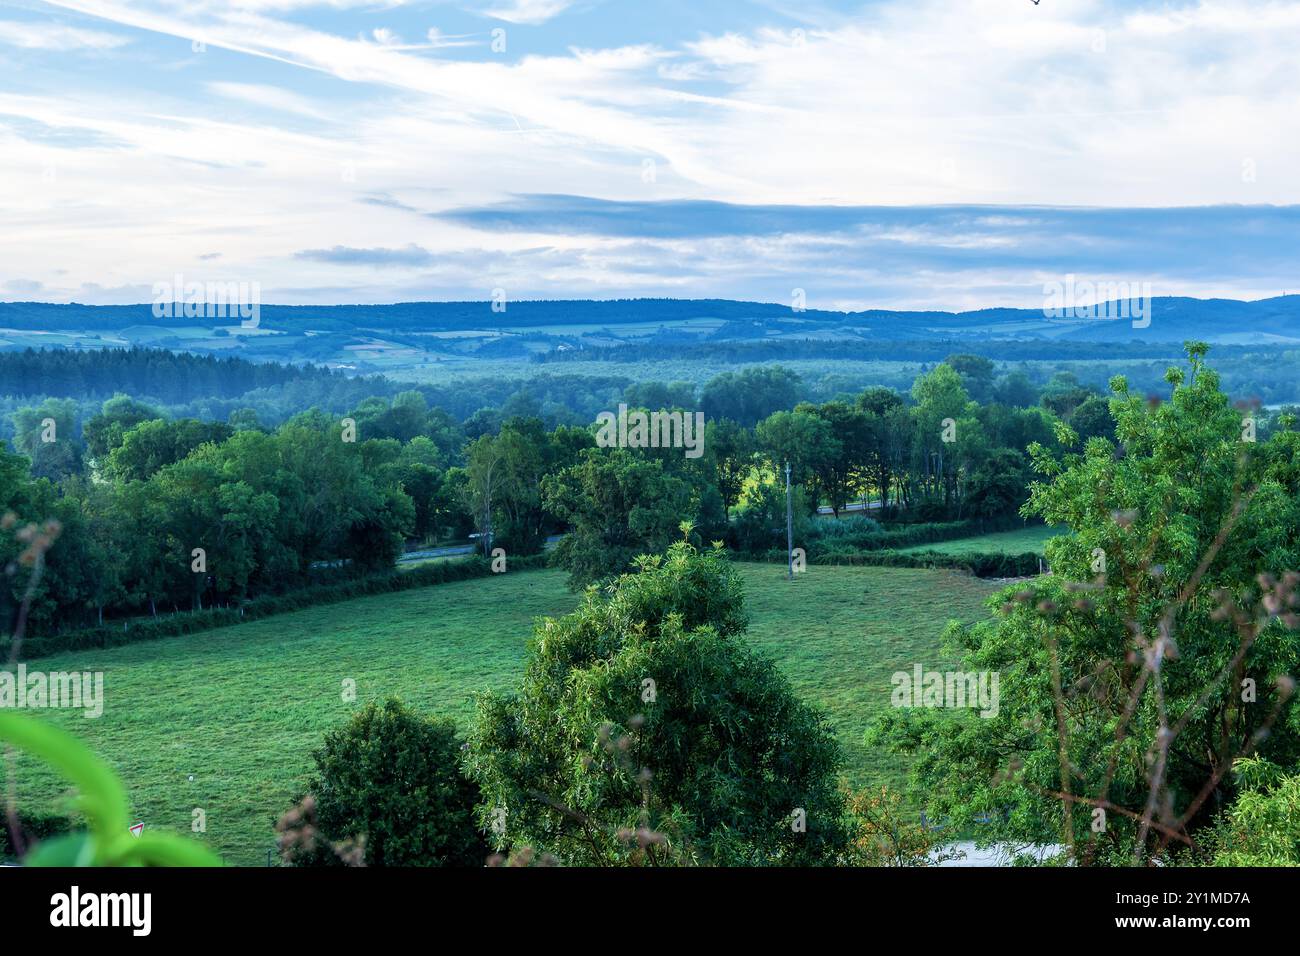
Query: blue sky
pixel 918 154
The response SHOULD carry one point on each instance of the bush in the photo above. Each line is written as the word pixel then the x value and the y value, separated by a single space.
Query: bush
pixel 994 565
pixel 646 731
pixel 830 530
pixel 1262 827
pixel 825 535
pixel 885 834
pixel 389 782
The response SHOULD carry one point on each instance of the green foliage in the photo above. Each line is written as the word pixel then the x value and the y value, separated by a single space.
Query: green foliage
pixel 265 508
pixel 981 565
pixel 106 429
pixel 165 375
pixel 1169 597
pixel 751 394
pixel 1021 540
pixel 1091 419
pixel 390 779
pixel 528 454
pixel 50 436
pixel 270 508
pixel 977 373
pixel 730 447
pixel 618 505
pixel 102 800
pixel 149 446
pixel 805 440
pixel 760 526
pixel 864 537
pixel 998 484
pixel 761 521
pixel 647 732
pixel 33 828
pixel 1262 827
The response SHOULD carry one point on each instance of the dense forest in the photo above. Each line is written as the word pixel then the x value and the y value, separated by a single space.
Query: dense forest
pixel 173 377
pixel 865 345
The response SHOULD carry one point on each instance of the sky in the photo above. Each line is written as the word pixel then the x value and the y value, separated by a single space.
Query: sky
pixel 949 154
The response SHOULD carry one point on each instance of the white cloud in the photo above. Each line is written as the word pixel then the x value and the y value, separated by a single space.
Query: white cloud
pixel 528 11
pixel 1087 102
pixel 56 37
pixel 270 97
pixel 907 102
pixel 437 40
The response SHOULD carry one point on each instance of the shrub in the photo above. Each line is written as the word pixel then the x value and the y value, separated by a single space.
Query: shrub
pixel 390 782
pixel 646 731
pixel 1156 652
pixel 885 834
pixel 830 530
pixel 994 565
pixel 1262 827
pixel 755 531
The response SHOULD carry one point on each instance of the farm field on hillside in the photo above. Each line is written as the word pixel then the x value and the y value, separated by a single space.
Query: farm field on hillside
pixel 239 709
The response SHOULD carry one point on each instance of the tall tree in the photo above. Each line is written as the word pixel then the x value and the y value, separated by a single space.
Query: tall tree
pixel 618 505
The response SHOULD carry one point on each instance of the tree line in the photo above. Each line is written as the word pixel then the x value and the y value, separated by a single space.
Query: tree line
pixel 164 375
pixel 182 513
pixel 159 513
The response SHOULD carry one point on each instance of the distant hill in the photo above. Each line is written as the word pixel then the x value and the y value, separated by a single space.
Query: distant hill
pixel 1275 320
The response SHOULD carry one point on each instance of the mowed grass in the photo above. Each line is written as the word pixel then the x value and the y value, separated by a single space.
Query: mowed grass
pixel 840 633
pixel 239 709
pixel 1021 541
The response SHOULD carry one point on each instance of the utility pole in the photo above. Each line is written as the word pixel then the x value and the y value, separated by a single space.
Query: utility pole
pixel 789 526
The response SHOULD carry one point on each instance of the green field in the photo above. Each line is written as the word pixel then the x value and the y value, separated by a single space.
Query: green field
pixel 239 709
pixel 1022 541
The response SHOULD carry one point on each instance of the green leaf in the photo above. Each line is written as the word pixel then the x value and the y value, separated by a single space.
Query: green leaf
pixel 103 798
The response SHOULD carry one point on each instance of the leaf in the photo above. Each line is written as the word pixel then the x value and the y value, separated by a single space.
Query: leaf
pixel 103 798
pixel 164 849
pixel 74 849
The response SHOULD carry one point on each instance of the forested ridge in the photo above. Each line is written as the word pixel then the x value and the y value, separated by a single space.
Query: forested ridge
pixel 159 373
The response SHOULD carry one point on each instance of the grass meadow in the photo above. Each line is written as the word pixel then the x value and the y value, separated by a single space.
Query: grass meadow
pixel 225 720
pixel 1020 541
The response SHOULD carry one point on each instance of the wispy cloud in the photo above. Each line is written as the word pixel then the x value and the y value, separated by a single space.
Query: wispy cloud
pixel 527 11
pixel 721 149
pixel 412 255
pixel 56 37
pixel 271 97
